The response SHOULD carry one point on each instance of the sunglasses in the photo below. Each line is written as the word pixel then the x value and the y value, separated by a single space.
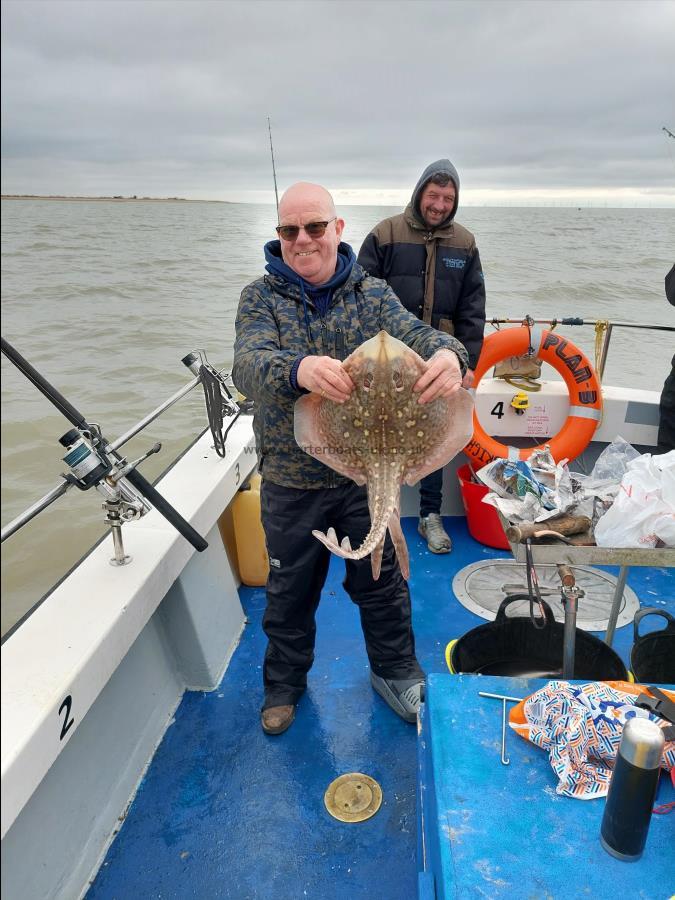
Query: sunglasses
pixel 313 229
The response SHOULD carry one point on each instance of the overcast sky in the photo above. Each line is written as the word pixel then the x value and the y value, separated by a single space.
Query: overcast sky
pixel 532 101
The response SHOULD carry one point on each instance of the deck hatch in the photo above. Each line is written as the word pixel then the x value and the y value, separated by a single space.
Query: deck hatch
pixel 481 586
pixel 353 797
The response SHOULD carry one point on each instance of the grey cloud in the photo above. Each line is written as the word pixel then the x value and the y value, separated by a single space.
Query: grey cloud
pixel 517 94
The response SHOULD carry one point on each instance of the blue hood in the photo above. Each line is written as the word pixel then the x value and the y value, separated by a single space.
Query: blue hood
pixel 319 294
pixel 276 266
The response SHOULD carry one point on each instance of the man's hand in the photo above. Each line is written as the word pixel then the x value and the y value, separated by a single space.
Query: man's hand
pixel 325 376
pixel 442 378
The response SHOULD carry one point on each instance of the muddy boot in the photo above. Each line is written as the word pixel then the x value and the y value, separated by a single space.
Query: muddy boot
pixel 276 719
pixel 431 528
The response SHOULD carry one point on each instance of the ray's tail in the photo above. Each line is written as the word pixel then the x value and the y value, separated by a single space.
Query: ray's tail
pixel 372 543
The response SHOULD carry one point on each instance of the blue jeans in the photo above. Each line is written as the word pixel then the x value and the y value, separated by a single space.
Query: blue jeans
pixel 431 493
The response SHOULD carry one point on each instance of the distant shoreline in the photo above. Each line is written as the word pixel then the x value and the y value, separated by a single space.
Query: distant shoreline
pixel 554 204
pixel 108 199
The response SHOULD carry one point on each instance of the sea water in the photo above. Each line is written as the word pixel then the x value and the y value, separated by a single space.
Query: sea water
pixel 104 298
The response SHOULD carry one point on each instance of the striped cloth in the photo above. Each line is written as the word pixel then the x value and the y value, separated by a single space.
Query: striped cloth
pixel 580 725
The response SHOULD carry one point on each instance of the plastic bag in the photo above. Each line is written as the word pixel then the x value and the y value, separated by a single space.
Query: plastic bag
pixel 609 469
pixel 602 485
pixel 643 513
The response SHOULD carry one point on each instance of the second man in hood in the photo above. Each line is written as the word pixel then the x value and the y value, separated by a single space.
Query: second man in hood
pixel 432 264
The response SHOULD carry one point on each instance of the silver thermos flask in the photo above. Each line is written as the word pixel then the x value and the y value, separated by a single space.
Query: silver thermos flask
pixel 632 790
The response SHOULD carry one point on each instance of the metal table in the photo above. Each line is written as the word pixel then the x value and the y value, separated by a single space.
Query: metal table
pixel 580 554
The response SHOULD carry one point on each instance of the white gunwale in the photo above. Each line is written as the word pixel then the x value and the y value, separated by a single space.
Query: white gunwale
pixel 77 638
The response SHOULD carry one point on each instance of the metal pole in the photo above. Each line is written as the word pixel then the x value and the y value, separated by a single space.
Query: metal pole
pixel 33 510
pixel 500 697
pixel 569 601
pixel 504 758
pixel 41 504
pixel 569 321
pixel 153 415
pixel 616 605
pixel 604 351
pixel 651 327
pixel 134 477
pixel 120 558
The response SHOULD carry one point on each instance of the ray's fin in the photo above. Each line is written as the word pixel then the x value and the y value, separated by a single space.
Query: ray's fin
pixel 400 545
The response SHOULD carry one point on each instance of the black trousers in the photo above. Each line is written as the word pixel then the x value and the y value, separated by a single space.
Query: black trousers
pixel 298 569
pixel 666 438
pixel 431 493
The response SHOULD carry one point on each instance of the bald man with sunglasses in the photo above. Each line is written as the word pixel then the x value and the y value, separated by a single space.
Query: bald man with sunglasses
pixel 294 327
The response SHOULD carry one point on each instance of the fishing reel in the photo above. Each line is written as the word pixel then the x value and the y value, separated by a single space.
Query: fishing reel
pixel 93 463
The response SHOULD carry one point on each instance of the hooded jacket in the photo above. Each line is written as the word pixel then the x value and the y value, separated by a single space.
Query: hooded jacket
pixel 436 273
pixel 280 320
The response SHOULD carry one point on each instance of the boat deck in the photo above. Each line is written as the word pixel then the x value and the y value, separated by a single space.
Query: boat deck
pixel 225 811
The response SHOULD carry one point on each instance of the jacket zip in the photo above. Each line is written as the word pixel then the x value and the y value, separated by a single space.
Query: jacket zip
pixel 324 347
pixel 339 344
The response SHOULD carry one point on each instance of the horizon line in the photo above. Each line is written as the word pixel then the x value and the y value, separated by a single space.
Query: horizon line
pixel 579 202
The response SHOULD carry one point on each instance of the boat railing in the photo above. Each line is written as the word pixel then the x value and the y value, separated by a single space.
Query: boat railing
pixel 198 364
pixel 603 331
pixel 196 360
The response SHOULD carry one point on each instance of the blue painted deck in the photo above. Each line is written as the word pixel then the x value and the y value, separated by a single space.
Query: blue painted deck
pixel 227 812
pixel 479 842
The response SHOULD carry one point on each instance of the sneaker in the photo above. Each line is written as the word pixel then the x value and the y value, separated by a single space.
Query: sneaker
pixel 276 719
pixel 403 695
pixel 431 528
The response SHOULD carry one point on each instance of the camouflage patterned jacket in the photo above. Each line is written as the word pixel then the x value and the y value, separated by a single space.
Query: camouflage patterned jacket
pixel 272 332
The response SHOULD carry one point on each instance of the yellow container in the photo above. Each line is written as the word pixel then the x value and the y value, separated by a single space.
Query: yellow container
pixel 249 536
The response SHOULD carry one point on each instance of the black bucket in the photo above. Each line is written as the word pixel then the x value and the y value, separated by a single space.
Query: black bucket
pixel 514 646
pixel 652 657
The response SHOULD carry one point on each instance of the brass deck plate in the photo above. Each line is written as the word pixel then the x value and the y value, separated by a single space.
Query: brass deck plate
pixel 353 797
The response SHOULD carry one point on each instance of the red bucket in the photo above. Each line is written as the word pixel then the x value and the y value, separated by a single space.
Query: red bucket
pixel 482 519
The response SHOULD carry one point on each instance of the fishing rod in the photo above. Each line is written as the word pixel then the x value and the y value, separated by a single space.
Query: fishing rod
pixel 94 462
pixel 669 134
pixel 274 171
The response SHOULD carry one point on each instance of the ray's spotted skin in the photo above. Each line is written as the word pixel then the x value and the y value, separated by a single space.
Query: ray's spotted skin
pixel 382 437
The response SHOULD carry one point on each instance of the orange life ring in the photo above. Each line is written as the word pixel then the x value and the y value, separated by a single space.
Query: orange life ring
pixel 582 383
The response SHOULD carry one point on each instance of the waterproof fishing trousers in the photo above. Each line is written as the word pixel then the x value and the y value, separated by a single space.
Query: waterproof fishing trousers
pixel 666 437
pixel 298 569
pixel 431 493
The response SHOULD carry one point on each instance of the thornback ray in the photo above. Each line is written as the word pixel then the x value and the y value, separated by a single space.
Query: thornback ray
pixel 383 438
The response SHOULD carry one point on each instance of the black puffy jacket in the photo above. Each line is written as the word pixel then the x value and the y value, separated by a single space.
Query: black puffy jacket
pixel 435 273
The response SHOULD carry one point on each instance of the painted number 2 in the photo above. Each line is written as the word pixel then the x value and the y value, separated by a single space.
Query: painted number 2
pixel 68 720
